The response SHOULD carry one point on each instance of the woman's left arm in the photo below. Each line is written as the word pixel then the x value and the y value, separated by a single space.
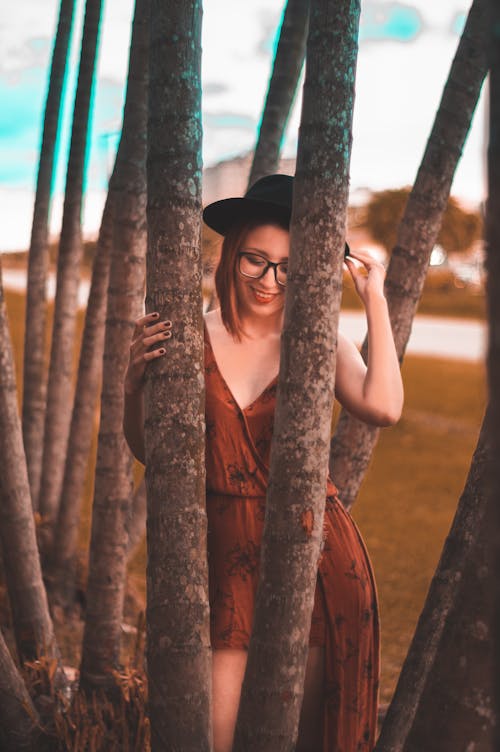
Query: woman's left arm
pixel 372 392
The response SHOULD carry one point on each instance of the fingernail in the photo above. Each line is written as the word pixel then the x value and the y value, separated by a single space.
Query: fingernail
pixel 168 335
pixel 155 314
pixel 162 351
pixel 167 323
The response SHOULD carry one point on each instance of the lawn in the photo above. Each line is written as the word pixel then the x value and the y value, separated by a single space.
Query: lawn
pixel 407 501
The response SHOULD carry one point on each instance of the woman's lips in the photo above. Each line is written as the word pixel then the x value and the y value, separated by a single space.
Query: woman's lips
pixel 263 297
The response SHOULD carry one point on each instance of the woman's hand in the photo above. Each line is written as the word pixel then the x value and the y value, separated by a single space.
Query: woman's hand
pixel 370 284
pixel 146 334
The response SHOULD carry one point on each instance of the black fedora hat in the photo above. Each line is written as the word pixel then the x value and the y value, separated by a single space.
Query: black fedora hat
pixel 269 197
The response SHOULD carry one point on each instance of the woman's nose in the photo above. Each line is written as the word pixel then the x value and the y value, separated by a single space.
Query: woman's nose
pixel 269 280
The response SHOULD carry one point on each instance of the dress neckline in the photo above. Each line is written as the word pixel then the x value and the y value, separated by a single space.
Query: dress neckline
pixel 225 384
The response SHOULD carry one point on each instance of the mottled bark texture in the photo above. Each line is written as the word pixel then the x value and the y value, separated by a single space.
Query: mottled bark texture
pixel 35 377
pixel 493 358
pixel 28 601
pixel 60 384
pixel 61 563
pixel 443 702
pixel 113 478
pixel 283 84
pixel 178 637
pixel 19 731
pixel 353 442
pixel 273 685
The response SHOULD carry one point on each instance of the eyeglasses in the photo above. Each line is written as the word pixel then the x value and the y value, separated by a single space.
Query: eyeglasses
pixel 255 266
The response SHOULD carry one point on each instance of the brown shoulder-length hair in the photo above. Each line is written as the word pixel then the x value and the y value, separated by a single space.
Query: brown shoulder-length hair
pixel 227 269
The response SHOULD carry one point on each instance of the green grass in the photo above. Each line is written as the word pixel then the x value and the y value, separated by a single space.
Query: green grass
pixel 409 496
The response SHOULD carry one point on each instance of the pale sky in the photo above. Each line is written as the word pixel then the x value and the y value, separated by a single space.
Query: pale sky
pixel 405 54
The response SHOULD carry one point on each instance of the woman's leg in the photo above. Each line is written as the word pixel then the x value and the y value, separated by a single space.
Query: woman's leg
pixel 228 669
pixel 311 717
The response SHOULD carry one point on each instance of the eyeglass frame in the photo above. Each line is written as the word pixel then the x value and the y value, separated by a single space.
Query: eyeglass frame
pixel 269 264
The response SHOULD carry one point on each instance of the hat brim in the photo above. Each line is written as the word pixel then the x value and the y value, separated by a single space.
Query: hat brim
pixel 222 215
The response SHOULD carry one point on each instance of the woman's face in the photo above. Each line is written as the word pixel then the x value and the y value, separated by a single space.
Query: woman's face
pixel 263 296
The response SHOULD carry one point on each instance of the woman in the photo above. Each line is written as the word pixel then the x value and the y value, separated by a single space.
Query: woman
pixel 242 350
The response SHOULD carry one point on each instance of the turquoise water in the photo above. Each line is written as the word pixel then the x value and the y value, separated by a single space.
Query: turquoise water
pixel 391 21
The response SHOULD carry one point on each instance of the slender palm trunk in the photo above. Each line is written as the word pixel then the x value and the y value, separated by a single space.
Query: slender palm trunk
pixel 178 638
pixel 28 601
pixel 273 685
pixel 60 570
pixel 60 385
pixel 418 232
pixel 493 358
pixel 19 730
pixel 113 480
pixel 283 84
pixel 34 386
pixel 442 700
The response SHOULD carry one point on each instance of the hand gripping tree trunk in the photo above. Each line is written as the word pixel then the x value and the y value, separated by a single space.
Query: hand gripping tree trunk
pixel 60 569
pixel 113 480
pixel 287 66
pixel 442 700
pixel 35 379
pixel 493 359
pixel 19 723
pixel 60 385
pixel 353 442
pixel 178 639
pixel 273 685
pixel 28 601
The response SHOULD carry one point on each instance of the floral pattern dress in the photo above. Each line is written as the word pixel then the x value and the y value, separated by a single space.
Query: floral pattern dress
pixel 345 614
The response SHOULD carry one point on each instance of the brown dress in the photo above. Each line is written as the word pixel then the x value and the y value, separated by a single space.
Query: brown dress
pixel 345 615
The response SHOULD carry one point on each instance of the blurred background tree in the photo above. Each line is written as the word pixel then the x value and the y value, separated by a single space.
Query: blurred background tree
pixel 384 211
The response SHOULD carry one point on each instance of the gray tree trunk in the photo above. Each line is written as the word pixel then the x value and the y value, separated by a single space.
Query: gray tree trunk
pixel 60 569
pixel 442 701
pixel 493 358
pixel 287 66
pixel 19 730
pixel 60 384
pixel 35 378
pixel 418 232
pixel 178 637
pixel 28 601
pixel 113 480
pixel 273 686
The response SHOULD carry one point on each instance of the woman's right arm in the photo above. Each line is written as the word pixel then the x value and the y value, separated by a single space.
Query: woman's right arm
pixel 146 334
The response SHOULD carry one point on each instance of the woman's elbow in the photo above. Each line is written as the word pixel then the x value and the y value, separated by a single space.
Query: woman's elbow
pixel 386 415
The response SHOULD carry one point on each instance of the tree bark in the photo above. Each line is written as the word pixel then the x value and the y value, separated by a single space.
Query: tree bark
pixel 178 639
pixel 442 700
pixel 28 601
pixel 19 723
pixel 34 385
pixel 136 526
pixel 60 569
pixel 493 357
pixel 353 442
pixel 60 384
pixel 273 686
pixel 113 480
pixel 283 84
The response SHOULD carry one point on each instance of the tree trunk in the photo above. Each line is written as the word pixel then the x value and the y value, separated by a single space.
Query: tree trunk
pixel 113 480
pixel 282 88
pixel 34 385
pixel 136 526
pixel 28 601
pixel 60 385
pixel 443 698
pixel 273 686
pixel 178 638
pixel 353 442
pixel 19 730
pixel 60 570
pixel 493 357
